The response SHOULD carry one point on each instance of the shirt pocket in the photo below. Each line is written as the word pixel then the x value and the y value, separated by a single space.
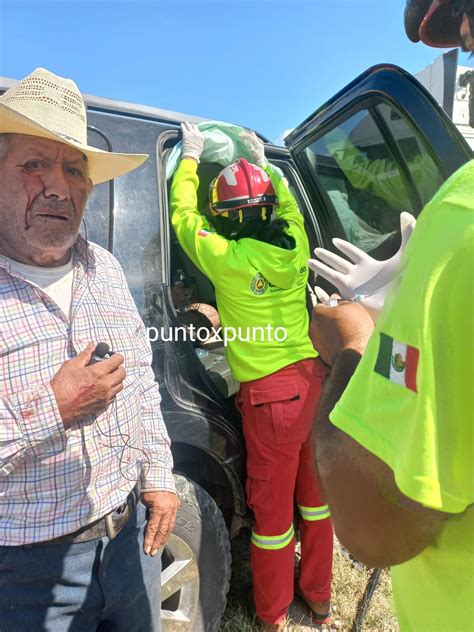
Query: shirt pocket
pixel 277 414
pixel 123 332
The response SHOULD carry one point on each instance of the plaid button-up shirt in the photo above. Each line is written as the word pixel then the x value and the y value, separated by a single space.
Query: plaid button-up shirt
pixel 55 480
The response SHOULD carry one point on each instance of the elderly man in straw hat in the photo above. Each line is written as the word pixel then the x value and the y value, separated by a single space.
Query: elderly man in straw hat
pixel 81 442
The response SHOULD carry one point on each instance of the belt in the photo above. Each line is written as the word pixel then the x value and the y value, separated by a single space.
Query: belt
pixel 110 525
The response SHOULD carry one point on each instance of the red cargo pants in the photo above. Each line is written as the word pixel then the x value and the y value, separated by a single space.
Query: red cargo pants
pixel 278 412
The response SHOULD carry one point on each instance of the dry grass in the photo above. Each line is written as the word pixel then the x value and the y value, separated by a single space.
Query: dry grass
pixel 348 588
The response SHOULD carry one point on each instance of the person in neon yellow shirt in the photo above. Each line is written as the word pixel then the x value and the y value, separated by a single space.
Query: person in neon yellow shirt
pixel 259 271
pixel 395 448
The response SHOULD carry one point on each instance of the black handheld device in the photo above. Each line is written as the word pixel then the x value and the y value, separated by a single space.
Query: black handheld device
pixel 101 352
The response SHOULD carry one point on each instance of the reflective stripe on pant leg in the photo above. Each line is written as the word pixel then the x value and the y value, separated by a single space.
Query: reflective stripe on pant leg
pixel 273 542
pixel 315 531
pixel 314 513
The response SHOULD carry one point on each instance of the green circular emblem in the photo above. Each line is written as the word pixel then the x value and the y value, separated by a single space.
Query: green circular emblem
pixel 259 284
pixel 398 362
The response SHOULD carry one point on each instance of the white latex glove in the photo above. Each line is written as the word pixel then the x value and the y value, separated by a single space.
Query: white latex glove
pixel 193 141
pixel 366 279
pixel 324 298
pixel 255 147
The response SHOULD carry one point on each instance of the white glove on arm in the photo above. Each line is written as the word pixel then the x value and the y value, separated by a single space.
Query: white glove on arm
pixel 255 147
pixel 366 279
pixel 193 141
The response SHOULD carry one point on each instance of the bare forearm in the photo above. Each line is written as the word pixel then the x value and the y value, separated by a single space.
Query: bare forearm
pixel 372 518
pixel 342 371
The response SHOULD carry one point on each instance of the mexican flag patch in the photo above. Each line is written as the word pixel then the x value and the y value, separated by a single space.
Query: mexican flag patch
pixel 397 362
pixel 203 232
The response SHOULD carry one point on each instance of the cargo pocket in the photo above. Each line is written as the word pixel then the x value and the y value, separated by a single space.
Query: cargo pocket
pixel 277 414
pixel 257 488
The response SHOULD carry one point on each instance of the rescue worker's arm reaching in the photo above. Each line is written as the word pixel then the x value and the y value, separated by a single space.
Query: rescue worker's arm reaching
pixel 362 278
pixel 287 208
pixel 242 199
pixel 202 246
pixel 193 141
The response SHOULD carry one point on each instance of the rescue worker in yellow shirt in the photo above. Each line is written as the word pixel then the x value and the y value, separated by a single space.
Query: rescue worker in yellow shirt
pixel 395 449
pixel 259 272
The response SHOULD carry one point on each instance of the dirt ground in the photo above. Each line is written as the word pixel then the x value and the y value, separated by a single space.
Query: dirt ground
pixel 349 582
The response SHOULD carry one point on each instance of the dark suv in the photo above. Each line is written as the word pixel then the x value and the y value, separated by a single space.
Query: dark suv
pixel 380 146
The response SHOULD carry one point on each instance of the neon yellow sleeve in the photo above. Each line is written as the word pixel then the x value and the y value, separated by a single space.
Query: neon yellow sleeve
pixel 206 249
pixel 288 208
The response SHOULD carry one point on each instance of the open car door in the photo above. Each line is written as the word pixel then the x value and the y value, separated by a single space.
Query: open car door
pixel 381 146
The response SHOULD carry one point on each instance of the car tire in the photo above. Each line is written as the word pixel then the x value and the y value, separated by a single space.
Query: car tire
pixel 196 564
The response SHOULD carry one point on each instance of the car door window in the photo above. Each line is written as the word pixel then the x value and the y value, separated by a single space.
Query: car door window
pixel 423 170
pixel 370 168
pixel 355 167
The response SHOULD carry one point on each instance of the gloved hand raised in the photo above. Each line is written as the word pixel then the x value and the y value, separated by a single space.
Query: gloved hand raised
pixel 366 279
pixel 255 147
pixel 193 141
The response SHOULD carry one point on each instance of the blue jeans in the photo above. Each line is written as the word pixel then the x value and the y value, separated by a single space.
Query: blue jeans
pixel 104 585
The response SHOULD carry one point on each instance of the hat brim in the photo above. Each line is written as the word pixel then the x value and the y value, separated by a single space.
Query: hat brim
pixel 440 28
pixel 103 165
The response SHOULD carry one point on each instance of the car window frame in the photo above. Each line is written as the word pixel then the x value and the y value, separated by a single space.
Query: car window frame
pixel 329 222
pixel 111 192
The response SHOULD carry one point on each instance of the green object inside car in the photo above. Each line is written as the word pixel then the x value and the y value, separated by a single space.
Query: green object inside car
pixel 222 146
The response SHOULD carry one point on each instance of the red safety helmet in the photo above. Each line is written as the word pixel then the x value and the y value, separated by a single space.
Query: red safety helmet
pixel 436 22
pixel 242 191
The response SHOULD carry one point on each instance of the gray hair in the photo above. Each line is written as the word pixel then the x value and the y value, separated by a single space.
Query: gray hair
pixel 4 142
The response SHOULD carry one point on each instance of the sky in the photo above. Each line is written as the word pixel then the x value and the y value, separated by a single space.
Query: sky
pixel 264 64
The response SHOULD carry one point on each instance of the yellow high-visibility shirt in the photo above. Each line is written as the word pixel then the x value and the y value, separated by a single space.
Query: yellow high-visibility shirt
pixel 411 403
pixel 260 288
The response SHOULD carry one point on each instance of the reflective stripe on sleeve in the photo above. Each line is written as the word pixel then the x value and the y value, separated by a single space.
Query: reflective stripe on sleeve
pixel 314 513
pixel 273 542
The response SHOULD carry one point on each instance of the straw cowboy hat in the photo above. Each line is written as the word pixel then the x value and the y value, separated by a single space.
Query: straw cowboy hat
pixel 43 104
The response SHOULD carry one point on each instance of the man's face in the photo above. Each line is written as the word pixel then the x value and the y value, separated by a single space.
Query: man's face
pixel 43 191
pixel 466 34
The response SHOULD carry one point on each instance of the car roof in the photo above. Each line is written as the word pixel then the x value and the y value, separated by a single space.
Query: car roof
pixel 122 107
pixel 102 104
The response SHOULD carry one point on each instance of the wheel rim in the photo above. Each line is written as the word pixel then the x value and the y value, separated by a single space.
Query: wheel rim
pixel 179 586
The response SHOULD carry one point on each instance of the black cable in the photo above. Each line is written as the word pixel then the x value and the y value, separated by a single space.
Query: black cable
pixel 125 438
pixel 365 600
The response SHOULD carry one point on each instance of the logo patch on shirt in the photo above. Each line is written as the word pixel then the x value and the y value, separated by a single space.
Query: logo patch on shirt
pixel 259 284
pixel 397 362
pixel 203 232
